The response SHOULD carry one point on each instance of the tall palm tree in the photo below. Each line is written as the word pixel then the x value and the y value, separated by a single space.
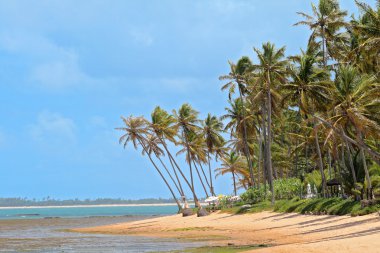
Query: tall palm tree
pixel 186 120
pixel 356 105
pixel 272 72
pixel 163 125
pixel 193 148
pixel 309 90
pixel 152 147
pixel 135 129
pixel 327 19
pixel 233 164
pixel 238 76
pixel 238 121
pixel 212 127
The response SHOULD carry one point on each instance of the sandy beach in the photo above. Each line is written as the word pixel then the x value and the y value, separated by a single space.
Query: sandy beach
pixel 286 232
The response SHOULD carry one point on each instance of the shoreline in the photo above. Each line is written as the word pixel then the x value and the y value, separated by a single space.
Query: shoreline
pixel 80 206
pixel 284 232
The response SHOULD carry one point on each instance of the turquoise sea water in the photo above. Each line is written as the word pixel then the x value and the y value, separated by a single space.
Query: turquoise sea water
pixel 45 230
pixel 87 211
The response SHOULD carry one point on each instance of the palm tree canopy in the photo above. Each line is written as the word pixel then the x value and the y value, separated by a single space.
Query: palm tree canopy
pixel 356 100
pixel 163 124
pixel 212 127
pixel 233 163
pixel 135 128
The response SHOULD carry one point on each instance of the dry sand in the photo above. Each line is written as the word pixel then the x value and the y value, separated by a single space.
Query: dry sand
pixel 286 232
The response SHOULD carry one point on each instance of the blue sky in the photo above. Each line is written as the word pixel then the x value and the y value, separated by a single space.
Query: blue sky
pixel 70 69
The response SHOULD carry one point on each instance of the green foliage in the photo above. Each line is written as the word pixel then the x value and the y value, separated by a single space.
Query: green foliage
pixel 333 206
pixel 287 188
pixel 284 188
pixel 319 206
pixel 255 195
pixel 255 208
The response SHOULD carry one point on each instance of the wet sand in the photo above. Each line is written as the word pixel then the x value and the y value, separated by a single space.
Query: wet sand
pixel 285 232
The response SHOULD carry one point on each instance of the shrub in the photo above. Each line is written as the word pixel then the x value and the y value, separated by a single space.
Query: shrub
pixel 255 195
pixel 286 188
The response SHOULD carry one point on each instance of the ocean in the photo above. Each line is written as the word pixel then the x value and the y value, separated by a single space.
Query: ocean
pixel 43 229
pixel 86 211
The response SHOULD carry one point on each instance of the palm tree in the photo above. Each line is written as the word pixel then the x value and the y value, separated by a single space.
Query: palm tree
pixel 240 123
pixel 212 127
pixel 238 75
pixel 272 72
pixel 163 125
pixel 327 20
pixel 309 91
pixel 193 148
pixel 152 147
pixel 356 105
pixel 233 164
pixel 366 34
pixel 135 129
pixel 186 119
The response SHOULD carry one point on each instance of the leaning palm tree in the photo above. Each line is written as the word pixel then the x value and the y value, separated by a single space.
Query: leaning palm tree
pixel 163 125
pixel 135 129
pixel 233 164
pixel 212 127
pixel 186 121
pixel 271 73
pixel 152 144
pixel 193 147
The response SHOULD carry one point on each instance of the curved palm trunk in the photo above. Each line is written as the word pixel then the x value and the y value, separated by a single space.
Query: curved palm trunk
pixel 209 170
pixel 351 163
pixel 167 171
pixel 233 177
pixel 374 155
pixel 200 179
pixel 320 161
pixel 197 204
pixel 367 177
pixel 269 152
pixel 329 162
pixel 171 159
pixel 246 147
pixel 162 176
pixel 265 153
pixel 259 160
pixel 204 174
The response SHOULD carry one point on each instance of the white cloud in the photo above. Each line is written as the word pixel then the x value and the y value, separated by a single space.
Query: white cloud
pixel 54 68
pixel 57 75
pixel 53 128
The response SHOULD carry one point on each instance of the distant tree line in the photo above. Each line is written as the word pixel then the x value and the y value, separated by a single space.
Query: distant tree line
pixel 14 202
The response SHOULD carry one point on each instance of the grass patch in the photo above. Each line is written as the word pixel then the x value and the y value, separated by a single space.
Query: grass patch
pixel 255 208
pixel 221 249
pixel 333 206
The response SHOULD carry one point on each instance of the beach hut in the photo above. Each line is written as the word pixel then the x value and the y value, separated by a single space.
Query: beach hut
pixel 334 186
